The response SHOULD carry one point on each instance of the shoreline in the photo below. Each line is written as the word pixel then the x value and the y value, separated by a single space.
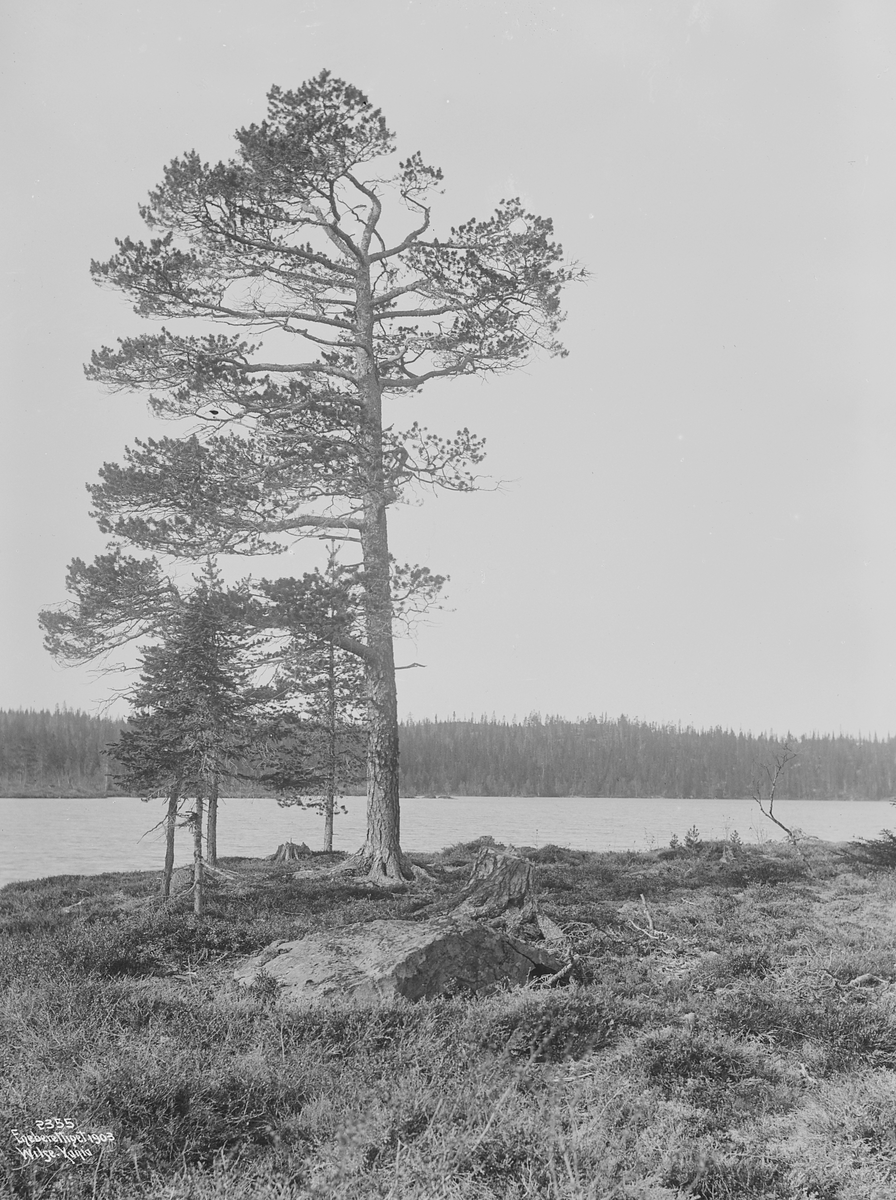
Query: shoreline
pixel 98 795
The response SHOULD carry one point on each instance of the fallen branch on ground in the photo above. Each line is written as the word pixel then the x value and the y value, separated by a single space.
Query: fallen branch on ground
pixel 651 930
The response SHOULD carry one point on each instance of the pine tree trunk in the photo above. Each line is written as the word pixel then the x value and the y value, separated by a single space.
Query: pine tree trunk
pixel 211 841
pixel 382 850
pixel 332 748
pixel 170 827
pixel 328 819
pixel 197 857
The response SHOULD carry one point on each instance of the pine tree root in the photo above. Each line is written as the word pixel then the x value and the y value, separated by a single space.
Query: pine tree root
pixel 366 869
pixel 227 876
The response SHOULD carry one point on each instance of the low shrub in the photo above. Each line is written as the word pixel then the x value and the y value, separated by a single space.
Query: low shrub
pixel 698 1067
pixel 346 1031
pixel 182 1111
pixel 748 962
pixel 555 881
pixel 557 854
pixel 464 852
pixel 156 941
pixel 875 852
pixel 844 1026
pixel 546 1028
pixel 402 1131
pixel 764 866
pixel 504 1158
pixel 717 1176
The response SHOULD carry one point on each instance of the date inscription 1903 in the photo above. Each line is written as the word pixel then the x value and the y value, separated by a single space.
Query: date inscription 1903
pixel 57 1139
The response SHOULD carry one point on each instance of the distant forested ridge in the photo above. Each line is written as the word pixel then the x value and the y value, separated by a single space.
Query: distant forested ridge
pixel 54 753
pixel 601 756
pixel 61 754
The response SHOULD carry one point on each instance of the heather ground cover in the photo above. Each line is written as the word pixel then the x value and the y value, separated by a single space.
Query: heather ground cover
pixel 730 1035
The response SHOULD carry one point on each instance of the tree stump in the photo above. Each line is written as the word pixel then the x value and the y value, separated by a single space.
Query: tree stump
pixel 500 886
pixel 289 852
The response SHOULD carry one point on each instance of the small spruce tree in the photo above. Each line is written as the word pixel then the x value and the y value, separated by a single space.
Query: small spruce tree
pixel 196 707
pixel 320 752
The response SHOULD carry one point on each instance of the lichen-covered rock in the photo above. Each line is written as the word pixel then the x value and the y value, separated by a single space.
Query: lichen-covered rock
pixel 376 962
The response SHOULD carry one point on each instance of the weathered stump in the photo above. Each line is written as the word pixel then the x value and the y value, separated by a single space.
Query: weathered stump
pixel 289 852
pixel 500 886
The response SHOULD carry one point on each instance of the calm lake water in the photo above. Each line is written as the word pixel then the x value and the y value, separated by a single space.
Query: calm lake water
pixel 84 837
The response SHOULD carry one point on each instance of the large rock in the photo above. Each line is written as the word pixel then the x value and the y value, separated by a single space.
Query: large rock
pixel 377 961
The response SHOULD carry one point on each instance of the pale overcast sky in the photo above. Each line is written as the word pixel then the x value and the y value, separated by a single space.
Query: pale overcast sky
pixel 697 518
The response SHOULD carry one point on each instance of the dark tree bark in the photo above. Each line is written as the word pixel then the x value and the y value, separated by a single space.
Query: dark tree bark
pixel 333 747
pixel 198 896
pixel 212 826
pixel 170 828
pixel 329 809
pixel 381 854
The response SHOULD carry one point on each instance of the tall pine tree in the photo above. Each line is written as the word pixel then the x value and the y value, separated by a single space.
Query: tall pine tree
pixel 319 253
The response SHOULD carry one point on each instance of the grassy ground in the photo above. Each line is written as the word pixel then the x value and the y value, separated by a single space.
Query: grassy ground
pixel 745 1046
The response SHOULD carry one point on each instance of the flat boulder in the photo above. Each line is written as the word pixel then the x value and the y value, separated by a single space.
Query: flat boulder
pixel 377 961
